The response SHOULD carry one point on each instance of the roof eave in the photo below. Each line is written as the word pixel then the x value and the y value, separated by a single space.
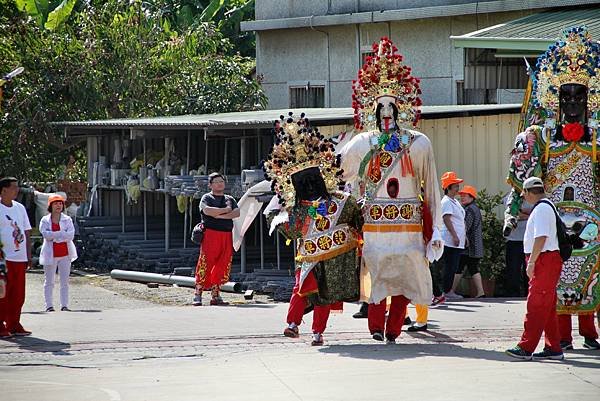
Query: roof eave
pixel 526 44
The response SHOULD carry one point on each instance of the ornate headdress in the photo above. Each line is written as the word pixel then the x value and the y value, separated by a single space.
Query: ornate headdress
pixel 574 60
pixel 385 75
pixel 299 147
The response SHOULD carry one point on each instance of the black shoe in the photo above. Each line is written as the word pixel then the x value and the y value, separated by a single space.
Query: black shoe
pixel 65 309
pixel 378 336
pixel 547 353
pixel 566 346
pixel 407 321
pixel 363 312
pixel 591 343
pixel 417 328
pixel 50 309
pixel 519 353
pixel 390 339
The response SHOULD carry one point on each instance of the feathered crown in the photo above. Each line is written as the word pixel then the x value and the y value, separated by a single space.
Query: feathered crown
pixel 298 147
pixel 385 75
pixel 574 60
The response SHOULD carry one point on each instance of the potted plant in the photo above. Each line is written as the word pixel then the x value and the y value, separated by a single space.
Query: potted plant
pixel 492 264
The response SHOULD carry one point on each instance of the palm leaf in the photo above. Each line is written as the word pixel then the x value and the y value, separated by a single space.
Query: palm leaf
pixel 211 10
pixel 36 9
pixel 60 14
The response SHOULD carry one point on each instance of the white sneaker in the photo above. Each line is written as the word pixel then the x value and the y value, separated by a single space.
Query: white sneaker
pixel 452 295
pixel 197 301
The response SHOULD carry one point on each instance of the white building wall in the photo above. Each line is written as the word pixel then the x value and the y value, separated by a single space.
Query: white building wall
pixel 332 55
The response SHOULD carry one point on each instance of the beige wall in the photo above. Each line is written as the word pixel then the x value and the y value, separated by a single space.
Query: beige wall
pixel 476 148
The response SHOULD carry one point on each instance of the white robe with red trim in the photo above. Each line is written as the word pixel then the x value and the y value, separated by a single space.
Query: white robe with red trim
pixel 398 261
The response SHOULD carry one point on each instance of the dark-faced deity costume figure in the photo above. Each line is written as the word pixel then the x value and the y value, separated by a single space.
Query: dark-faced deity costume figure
pixel 396 167
pixel 324 222
pixel 563 152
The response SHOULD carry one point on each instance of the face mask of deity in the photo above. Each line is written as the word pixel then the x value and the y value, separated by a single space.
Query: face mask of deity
pixel 573 103
pixel 573 112
pixel 386 113
pixel 309 185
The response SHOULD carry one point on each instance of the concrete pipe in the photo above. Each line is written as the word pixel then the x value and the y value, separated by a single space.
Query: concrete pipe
pixel 182 281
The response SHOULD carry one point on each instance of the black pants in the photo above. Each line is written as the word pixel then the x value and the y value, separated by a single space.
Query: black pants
pixel 451 259
pixel 437 277
pixel 515 274
pixel 472 265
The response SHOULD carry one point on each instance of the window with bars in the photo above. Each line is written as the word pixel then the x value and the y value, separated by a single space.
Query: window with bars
pixel 307 97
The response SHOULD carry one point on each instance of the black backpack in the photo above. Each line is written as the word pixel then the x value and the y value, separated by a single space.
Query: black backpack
pixel 565 243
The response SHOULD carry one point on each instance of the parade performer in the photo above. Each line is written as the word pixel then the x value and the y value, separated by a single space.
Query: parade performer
pixel 308 208
pixel 402 200
pixel 564 154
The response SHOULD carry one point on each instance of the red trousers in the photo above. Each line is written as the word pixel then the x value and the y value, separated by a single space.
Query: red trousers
pixel 587 328
pixel 214 263
pixel 298 304
pixel 10 306
pixel 541 304
pixel 395 317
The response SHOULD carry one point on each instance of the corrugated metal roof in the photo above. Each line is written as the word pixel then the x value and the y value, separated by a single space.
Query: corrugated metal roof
pixel 534 32
pixel 265 118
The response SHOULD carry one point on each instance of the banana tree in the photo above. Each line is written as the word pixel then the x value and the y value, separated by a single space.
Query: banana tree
pixel 49 14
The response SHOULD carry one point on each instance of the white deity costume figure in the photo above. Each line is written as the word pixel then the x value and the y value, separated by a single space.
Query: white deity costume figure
pixel 396 167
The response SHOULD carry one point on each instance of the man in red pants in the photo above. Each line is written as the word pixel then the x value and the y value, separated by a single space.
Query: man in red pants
pixel 544 265
pixel 299 302
pixel 214 263
pixel 587 330
pixel 16 248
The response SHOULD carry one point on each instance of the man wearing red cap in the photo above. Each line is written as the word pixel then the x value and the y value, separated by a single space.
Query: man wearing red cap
pixel 16 248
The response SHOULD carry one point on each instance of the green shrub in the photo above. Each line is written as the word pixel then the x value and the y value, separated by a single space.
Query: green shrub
pixel 492 264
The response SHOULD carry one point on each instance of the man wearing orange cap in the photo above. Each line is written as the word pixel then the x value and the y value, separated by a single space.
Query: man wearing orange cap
pixel 474 246
pixel 16 248
pixel 453 234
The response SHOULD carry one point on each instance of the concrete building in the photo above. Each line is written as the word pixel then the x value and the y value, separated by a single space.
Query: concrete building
pixel 309 51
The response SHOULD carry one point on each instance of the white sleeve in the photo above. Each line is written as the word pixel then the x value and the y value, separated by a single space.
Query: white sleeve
pixel 446 207
pixel 25 219
pixel 66 233
pixel 544 222
pixel 46 229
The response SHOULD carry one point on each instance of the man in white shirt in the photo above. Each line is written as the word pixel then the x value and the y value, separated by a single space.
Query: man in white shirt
pixel 544 265
pixel 16 248
pixel 453 233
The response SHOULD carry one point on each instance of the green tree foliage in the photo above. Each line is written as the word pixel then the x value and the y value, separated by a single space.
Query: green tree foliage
pixel 225 14
pixel 111 59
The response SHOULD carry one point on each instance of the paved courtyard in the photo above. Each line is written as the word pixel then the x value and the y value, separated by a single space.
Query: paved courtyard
pixel 113 347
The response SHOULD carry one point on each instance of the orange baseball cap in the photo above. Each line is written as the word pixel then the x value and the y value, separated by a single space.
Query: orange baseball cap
pixel 469 190
pixel 55 198
pixel 449 178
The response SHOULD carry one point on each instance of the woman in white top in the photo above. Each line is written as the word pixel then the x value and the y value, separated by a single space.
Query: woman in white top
pixel 58 251
pixel 453 233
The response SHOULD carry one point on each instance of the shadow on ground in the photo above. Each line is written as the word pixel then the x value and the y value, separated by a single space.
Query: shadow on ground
pixel 394 352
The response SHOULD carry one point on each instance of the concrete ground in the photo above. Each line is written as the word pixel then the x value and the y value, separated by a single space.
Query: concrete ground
pixel 112 347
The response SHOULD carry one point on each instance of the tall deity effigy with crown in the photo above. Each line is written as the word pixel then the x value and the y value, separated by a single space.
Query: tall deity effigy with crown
pixel 561 147
pixel 395 167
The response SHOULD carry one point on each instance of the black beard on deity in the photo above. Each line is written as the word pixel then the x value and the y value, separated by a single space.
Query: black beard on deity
pixel 573 109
